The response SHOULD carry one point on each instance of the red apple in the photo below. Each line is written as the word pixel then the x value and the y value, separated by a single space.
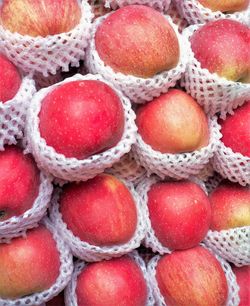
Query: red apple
pixel 81 118
pixel 28 265
pixel 100 211
pixel 243 280
pixel 191 277
pixel 10 79
pixel 173 123
pixel 19 182
pixel 235 130
pixel 226 6
pixel 214 46
pixel 230 204
pixel 118 281
pixel 180 213
pixel 57 300
pixel 137 40
pixel 40 18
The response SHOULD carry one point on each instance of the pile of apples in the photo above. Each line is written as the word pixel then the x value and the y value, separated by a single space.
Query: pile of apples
pixel 115 223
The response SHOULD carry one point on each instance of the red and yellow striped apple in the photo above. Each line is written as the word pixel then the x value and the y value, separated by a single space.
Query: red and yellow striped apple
pixel 243 280
pixel 225 6
pixel 137 40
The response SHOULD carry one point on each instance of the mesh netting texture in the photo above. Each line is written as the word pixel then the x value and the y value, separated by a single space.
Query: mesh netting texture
pixel 88 252
pixel 176 17
pixel 177 166
pixel 15 226
pixel 72 169
pixel 66 270
pixel 70 292
pixel 128 169
pixel 231 165
pixel 214 93
pixel 47 54
pixel 151 241
pixel 160 5
pixel 13 113
pixel 138 90
pixel 195 13
pixel 233 289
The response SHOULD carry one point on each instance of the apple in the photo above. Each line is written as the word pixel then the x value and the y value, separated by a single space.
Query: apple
pixel 40 18
pixel 28 264
pixel 230 204
pixel 57 300
pixel 137 40
pixel 235 130
pixel 173 123
pixel 19 182
pixel 243 280
pixel 225 6
pixel 100 211
pixel 81 118
pixel 118 281
pixel 10 79
pixel 180 213
pixel 191 277
pixel 214 47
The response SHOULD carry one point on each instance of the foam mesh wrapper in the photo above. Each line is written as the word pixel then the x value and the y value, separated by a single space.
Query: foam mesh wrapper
pixel 48 54
pixel 178 166
pixel 232 165
pixel 160 5
pixel 70 292
pixel 232 244
pixel 233 289
pixel 151 241
pixel 138 90
pixel 13 113
pixel 72 169
pixel 15 226
pixel 173 12
pixel 195 13
pixel 65 273
pixel 214 93
pixel 89 252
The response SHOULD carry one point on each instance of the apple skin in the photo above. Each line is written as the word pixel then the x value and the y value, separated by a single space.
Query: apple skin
pixel 57 300
pixel 40 18
pixel 81 118
pixel 10 79
pixel 19 182
pixel 100 211
pixel 118 281
pixel 225 6
pixel 28 265
pixel 137 40
pixel 180 213
pixel 230 204
pixel 191 277
pixel 222 57
pixel 235 130
pixel 173 123
pixel 243 280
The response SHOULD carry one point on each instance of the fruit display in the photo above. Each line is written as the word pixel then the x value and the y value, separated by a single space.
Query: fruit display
pixel 124 153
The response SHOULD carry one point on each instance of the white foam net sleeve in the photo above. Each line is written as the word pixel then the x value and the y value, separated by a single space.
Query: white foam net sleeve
pixel 66 270
pixel 231 165
pixel 138 90
pixel 14 226
pixel 13 113
pixel 173 12
pixel 160 5
pixel 195 13
pixel 48 54
pixel 177 166
pixel 70 292
pixel 233 288
pixel 90 253
pixel 214 93
pixel 128 169
pixel 72 169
